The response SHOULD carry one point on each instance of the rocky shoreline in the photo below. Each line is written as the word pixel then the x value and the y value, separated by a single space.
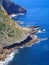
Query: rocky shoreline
pixel 9 50
pixel 14 36
pixel 28 40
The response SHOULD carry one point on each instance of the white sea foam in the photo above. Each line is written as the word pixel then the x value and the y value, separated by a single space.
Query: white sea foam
pixel 39 40
pixel 14 15
pixel 21 47
pixel 44 39
pixel 44 30
pixel 40 31
pixel 35 36
pixel 8 59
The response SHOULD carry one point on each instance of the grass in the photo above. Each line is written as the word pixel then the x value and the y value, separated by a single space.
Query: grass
pixel 8 28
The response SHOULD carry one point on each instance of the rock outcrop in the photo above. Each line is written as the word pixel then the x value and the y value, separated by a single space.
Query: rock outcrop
pixel 12 8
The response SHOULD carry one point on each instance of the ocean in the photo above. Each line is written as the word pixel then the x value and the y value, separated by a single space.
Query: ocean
pixel 37 14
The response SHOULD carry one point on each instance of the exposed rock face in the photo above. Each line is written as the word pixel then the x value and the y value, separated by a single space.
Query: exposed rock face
pixel 7 50
pixel 12 8
pixel 10 31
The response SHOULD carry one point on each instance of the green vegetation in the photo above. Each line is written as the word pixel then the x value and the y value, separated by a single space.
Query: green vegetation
pixel 9 30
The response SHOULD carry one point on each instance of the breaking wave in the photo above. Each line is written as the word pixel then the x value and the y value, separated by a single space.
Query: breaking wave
pixel 40 31
pixel 8 59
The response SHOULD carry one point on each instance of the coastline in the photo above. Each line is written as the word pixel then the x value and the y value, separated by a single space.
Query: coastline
pixel 37 45
pixel 8 59
pixel 27 40
pixel 12 42
pixel 11 52
pixel 8 50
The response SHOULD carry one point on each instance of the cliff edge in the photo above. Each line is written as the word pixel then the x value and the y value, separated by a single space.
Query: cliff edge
pixel 12 8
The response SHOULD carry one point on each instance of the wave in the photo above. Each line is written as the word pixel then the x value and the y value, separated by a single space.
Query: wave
pixel 8 59
pixel 41 31
pixel 15 15
pixel 44 30
pixel 43 39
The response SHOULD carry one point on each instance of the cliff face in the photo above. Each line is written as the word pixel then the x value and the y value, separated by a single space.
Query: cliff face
pixel 10 31
pixel 12 8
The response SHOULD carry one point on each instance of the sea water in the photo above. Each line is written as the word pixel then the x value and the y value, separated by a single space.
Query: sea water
pixel 37 14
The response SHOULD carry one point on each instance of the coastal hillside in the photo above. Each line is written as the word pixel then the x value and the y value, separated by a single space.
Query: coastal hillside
pixel 12 35
pixel 10 31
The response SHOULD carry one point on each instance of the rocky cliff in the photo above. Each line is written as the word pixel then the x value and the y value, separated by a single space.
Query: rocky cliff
pixel 10 32
pixel 11 7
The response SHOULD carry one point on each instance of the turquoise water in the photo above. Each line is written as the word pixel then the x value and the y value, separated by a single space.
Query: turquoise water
pixel 37 14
